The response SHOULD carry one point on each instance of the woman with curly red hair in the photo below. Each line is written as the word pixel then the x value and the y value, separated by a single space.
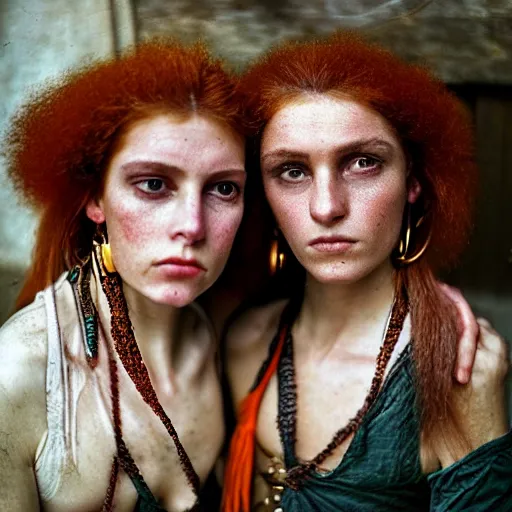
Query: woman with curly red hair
pixel 367 165
pixel 137 168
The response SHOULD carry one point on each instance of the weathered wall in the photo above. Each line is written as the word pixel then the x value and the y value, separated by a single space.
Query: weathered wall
pixel 463 40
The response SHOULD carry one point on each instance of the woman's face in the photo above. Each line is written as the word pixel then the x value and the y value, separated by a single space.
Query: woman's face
pixel 172 202
pixel 335 176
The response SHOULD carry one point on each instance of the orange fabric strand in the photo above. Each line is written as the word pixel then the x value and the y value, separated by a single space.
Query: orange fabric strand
pixel 239 468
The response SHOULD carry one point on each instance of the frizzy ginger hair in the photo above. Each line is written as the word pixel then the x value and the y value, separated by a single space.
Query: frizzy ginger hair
pixel 60 141
pixel 436 134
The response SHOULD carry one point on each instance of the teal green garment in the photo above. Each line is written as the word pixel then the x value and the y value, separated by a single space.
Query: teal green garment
pixel 146 501
pixel 381 470
pixel 480 481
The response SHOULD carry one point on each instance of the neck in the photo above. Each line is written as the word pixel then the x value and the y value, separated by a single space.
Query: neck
pixel 353 315
pixel 158 333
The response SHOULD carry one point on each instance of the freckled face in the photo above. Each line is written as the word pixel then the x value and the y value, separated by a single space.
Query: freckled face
pixel 334 174
pixel 172 202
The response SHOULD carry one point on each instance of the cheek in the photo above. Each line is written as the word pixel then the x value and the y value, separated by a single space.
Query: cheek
pixel 284 208
pixel 291 215
pixel 382 213
pixel 223 229
pixel 128 224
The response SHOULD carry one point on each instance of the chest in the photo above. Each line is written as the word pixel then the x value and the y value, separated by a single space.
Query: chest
pixel 328 395
pixel 197 416
pixel 381 462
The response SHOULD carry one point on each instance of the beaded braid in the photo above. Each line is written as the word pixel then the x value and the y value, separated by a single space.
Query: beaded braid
pixel 123 459
pixel 286 419
pixel 287 318
pixel 109 497
pixel 297 474
pixel 129 354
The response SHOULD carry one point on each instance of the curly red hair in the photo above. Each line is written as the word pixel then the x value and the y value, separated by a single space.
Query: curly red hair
pixel 436 133
pixel 59 143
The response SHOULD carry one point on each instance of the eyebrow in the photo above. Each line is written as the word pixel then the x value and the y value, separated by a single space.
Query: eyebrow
pixel 354 146
pixel 150 166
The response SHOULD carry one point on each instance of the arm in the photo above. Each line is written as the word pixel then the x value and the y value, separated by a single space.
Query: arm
pixel 22 421
pixel 481 481
pixel 18 489
pixel 481 475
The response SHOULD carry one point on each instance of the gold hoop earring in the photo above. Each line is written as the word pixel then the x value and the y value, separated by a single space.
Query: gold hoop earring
pixel 405 244
pixel 277 256
pixel 106 257
pixel 102 249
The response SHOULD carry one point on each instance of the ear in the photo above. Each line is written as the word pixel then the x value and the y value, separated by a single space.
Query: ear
pixel 413 190
pixel 94 211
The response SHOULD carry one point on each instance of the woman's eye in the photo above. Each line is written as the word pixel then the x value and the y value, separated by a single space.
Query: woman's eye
pixel 226 190
pixel 151 186
pixel 293 174
pixel 365 163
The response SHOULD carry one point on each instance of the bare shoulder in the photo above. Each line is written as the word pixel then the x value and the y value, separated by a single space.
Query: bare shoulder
pixel 23 338
pixel 246 344
pixel 253 328
pixel 22 380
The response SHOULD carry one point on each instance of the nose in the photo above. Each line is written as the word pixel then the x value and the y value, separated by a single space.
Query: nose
pixel 189 218
pixel 328 202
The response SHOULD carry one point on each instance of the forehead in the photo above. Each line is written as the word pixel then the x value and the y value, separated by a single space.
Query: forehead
pixel 326 119
pixel 177 138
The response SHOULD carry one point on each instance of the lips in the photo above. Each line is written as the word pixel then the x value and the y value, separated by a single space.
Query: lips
pixel 182 262
pixel 336 244
pixel 180 267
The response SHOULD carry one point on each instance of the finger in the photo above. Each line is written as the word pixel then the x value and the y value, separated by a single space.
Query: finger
pixel 483 322
pixel 468 335
pixel 490 339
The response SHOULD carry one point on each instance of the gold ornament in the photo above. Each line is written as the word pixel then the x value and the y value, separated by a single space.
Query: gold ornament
pixel 406 242
pixel 106 257
pixel 277 256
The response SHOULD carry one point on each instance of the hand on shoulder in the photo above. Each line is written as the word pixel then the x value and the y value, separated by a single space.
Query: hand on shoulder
pixel 478 399
pixel 492 357
pixel 480 405
pixel 474 335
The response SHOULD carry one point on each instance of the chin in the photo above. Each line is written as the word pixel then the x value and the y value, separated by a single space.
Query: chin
pixel 342 273
pixel 177 296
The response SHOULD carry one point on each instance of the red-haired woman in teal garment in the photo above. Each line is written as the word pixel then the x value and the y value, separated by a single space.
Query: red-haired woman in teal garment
pixel 344 386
